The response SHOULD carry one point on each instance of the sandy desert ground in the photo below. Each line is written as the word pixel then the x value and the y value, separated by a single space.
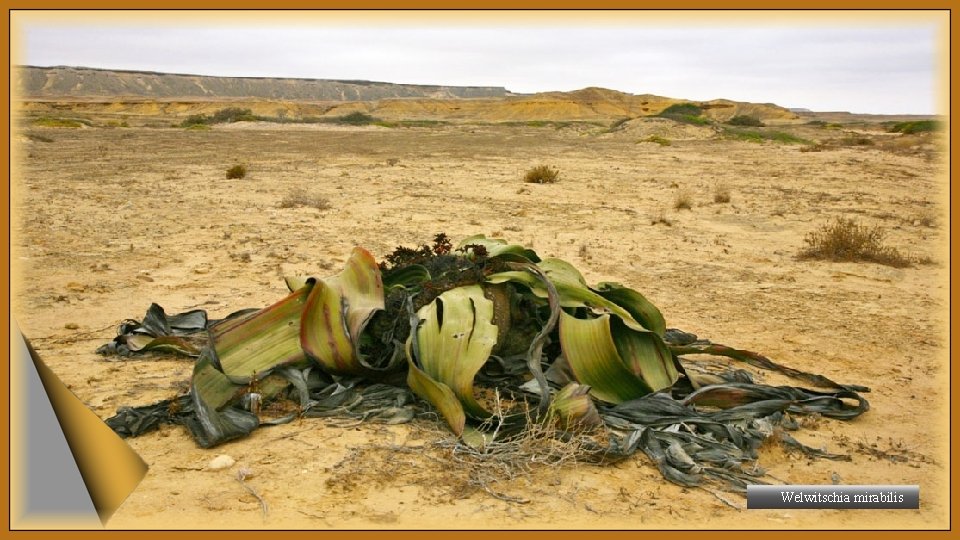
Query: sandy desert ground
pixel 107 221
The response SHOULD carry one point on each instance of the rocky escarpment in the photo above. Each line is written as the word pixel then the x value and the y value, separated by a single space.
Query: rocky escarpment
pixel 64 81
pixel 139 94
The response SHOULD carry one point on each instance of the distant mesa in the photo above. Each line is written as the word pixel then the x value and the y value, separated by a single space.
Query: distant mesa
pixel 66 81
pixel 147 93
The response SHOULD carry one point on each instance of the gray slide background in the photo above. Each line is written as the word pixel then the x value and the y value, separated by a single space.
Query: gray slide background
pixel 53 485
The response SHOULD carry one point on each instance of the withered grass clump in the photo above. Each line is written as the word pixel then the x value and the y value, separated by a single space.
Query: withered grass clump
pixel 498 465
pixel 300 198
pixel 499 468
pixel 237 171
pixel 846 240
pixel 683 200
pixel 542 174
pixel 721 193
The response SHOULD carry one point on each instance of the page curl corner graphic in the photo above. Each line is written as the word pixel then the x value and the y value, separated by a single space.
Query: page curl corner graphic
pixel 68 468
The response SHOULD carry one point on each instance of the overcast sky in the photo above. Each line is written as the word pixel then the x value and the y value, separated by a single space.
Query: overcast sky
pixel 884 68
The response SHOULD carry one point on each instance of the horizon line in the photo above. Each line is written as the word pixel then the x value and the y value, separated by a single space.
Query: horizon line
pixel 508 92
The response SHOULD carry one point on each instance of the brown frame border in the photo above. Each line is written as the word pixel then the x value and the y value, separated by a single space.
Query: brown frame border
pixel 685 5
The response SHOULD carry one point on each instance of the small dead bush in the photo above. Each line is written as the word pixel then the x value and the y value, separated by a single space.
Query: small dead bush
pixel 721 194
pixel 923 144
pixel 300 198
pixel 237 171
pixel 683 200
pixel 520 457
pixel 846 240
pixel 542 174
pixel 509 464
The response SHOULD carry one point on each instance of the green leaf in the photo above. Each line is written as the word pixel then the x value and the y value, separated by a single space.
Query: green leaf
pixel 144 342
pixel 592 354
pixel 517 276
pixel 574 292
pixel 213 421
pixel 406 277
pixel 455 340
pixel 295 283
pixel 362 289
pixel 324 336
pixel 445 401
pixel 338 310
pixel 636 304
pixel 632 307
pixel 637 347
pixel 619 362
pixel 437 394
pixel 646 355
pixel 497 247
pixel 249 347
pixel 215 388
pixel 574 409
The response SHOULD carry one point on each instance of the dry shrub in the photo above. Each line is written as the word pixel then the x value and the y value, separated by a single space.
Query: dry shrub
pixel 542 174
pixel 721 193
pixel 847 240
pixel 683 200
pixel 237 171
pixel 902 144
pixel 540 447
pixel 444 466
pixel 923 144
pixel 300 198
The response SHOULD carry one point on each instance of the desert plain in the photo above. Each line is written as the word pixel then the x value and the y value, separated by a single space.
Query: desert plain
pixel 107 219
